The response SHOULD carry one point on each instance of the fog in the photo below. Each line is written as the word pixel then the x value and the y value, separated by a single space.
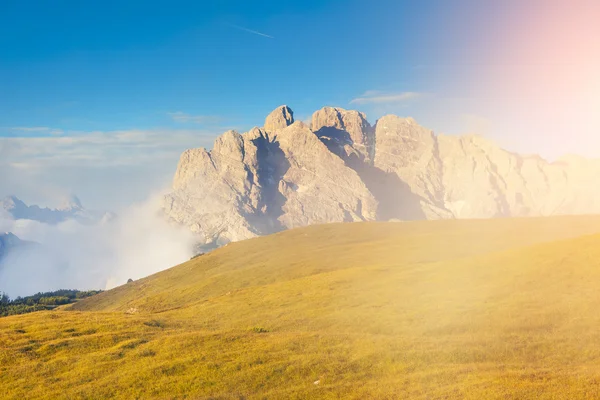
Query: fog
pixel 139 242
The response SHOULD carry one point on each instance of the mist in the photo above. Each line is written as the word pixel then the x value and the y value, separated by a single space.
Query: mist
pixel 138 243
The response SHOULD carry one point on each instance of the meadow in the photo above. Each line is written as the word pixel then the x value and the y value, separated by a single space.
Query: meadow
pixel 481 309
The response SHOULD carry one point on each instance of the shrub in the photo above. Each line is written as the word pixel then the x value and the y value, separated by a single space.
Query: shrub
pixel 155 323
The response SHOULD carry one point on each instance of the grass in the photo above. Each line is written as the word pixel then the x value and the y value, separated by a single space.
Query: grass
pixel 499 309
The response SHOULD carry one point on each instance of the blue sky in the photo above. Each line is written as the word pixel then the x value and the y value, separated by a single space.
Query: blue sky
pixel 75 66
pixel 99 98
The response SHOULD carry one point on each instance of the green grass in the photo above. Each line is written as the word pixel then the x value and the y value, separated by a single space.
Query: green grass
pixel 498 309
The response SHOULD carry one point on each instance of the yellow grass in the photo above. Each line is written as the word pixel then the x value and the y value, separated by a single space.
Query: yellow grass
pixel 499 309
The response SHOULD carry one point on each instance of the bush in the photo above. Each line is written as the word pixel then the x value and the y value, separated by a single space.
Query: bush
pixel 155 323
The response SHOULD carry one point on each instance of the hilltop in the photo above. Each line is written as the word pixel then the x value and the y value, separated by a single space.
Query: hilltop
pixel 500 308
pixel 340 168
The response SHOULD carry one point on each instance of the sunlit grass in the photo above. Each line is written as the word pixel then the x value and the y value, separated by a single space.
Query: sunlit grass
pixel 449 309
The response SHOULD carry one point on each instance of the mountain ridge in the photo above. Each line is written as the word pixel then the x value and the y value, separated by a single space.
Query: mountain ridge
pixel 70 208
pixel 343 169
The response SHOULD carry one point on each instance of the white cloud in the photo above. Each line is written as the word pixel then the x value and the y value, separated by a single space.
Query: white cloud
pixel 181 117
pixel 37 130
pixel 110 148
pixel 138 243
pixel 107 170
pixel 377 97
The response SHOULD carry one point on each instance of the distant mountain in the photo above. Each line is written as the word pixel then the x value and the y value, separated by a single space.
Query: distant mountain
pixel 10 242
pixel 29 267
pixel 340 168
pixel 71 209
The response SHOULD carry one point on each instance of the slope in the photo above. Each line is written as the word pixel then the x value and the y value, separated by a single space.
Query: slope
pixel 319 249
pixel 444 309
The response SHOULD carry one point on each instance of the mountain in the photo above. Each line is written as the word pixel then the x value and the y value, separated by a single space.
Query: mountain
pixel 28 267
pixel 10 242
pixel 341 168
pixel 70 209
pixel 500 308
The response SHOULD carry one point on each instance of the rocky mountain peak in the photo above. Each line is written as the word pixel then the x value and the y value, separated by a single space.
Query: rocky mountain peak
pixel 343 169
pixel 279 118
pixel 346 132
pixel 9 238
pixel 230 144
pixel 71 202
pixel 12 203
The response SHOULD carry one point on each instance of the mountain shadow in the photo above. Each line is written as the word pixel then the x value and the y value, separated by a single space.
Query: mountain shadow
pixel 395 198
pixel 272 166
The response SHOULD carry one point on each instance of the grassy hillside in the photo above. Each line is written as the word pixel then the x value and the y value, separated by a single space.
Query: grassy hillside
pixel 434 309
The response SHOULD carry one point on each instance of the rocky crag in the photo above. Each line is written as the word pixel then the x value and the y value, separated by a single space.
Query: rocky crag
pixel 341 169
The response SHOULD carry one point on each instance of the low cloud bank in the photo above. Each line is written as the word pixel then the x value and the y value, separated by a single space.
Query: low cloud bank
pixel 138 243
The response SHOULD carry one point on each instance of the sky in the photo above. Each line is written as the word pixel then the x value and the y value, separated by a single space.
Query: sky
pixel 99 99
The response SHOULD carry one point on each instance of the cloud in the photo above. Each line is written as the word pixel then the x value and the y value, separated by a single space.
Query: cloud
pixel 377 97
pixel 182 117
pixel 241 28
pixel 138 243
pixel 36 130
pixel 125 147
pixel 106 169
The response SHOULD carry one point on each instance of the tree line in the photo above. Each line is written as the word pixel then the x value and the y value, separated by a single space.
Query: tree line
pixel 41 301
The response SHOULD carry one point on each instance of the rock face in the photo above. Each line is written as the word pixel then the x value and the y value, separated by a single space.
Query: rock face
pixel 286 175
pixel 71 208
pixel 409 153
pixel 346 133
pixel 316 185
pixel 279 118
pixel 259 183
